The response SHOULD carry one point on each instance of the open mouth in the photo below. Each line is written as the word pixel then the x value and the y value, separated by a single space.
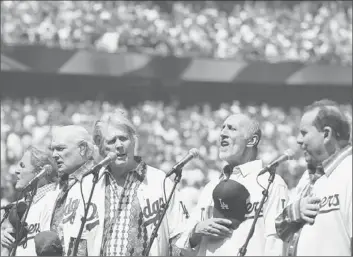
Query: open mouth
pixel 122 155
pixel 224 143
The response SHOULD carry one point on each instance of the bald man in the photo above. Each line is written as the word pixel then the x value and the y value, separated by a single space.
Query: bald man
pixel 73 151
pixel 218 226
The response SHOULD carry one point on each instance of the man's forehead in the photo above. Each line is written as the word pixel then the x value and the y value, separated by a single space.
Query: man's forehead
pixel 26 157
pixel 237 119
pixel 110 130
pixel 308 118
pixel 60 139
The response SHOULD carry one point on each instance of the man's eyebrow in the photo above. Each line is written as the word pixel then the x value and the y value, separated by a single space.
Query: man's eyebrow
pixel 111 138
pixel 57 145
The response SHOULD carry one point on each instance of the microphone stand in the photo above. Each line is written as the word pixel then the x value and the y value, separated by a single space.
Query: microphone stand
pixel 177 179
pixel 6 214
pixel 243 249
pixel 84 218
pixel 23 220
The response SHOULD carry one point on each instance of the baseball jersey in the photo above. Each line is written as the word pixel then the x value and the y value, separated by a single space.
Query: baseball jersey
pixel 264 241
pixel 32 220
pixel 332 231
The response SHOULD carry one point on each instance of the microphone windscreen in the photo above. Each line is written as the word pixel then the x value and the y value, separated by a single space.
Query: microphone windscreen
pixel 15 215
pixel 17 212
pixel 48 243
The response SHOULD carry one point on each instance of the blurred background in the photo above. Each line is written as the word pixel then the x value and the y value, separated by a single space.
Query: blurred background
pixel 177 68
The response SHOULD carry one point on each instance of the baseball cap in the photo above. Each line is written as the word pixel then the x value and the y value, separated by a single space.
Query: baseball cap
pixel 230 198
pixel 48 243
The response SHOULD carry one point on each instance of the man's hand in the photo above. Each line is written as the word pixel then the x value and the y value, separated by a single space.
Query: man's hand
pixel 309 208
pixel 214 227
pixel 7 239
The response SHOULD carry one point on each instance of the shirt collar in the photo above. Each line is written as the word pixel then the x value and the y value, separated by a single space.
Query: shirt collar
pixel 71 179
pixel 245 169
pixel 139 171
pixel 77 175
pixel 41 192
pixel 331 162
pixel 141 168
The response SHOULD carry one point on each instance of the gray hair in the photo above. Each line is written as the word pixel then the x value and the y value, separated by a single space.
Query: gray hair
pixel 80 135
pixel 118 118
pixel 41 158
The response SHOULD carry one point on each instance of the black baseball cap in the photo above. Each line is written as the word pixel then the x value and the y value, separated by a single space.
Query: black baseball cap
pixel 230 199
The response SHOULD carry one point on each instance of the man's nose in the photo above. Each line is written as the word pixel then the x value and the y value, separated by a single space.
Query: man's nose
pixel 224 132
pixel 223 135
pixel 118 144
pixel 299 140
pixel 55 155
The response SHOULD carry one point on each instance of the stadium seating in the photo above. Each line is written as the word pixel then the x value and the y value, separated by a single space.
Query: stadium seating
pixel 305 31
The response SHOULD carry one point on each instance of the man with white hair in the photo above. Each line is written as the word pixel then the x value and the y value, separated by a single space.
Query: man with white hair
pixel 221 221
pixel 73 152
pixel 134 195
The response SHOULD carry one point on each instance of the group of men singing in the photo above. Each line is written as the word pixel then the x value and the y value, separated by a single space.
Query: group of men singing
pixel 129 196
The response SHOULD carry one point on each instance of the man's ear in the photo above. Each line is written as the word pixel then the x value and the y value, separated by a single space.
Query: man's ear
pixel 253 141
pixel 84 149
pixel 328 133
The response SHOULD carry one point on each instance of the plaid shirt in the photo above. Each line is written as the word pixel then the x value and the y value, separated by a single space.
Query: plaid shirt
pixel 42 191
pixel 125 233
pixel 58 213
pixel 289 223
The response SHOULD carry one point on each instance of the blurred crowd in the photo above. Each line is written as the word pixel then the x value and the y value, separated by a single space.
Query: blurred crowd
pixel 315 31
pixel 167 132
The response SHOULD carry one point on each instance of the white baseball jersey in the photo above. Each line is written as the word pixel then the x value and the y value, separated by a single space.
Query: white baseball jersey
pixel 33 218
pixel 331 233
pixel 264 241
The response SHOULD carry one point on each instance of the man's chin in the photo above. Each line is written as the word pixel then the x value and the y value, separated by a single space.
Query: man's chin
pixel 308 157
pixel 223 156
pixel 120 163
pixel 61 172
pixel 311 161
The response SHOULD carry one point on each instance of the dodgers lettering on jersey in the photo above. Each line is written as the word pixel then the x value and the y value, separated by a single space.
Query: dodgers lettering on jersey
pixel 151 212
pixel 33 230
pixel 253 207
pixel 332 228
pixel 330 203
pixel 70 212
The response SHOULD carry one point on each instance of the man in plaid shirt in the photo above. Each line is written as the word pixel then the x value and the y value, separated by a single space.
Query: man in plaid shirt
pixel 134 195
pixel 31 163
pixel 319 221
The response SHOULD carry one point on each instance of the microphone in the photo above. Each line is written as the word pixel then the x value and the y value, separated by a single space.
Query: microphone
pixel 288 155
pixel 47 243
pixel 47 169
pixel 111 157
pixel 15 217
pixel 192 154
pixel 17 212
